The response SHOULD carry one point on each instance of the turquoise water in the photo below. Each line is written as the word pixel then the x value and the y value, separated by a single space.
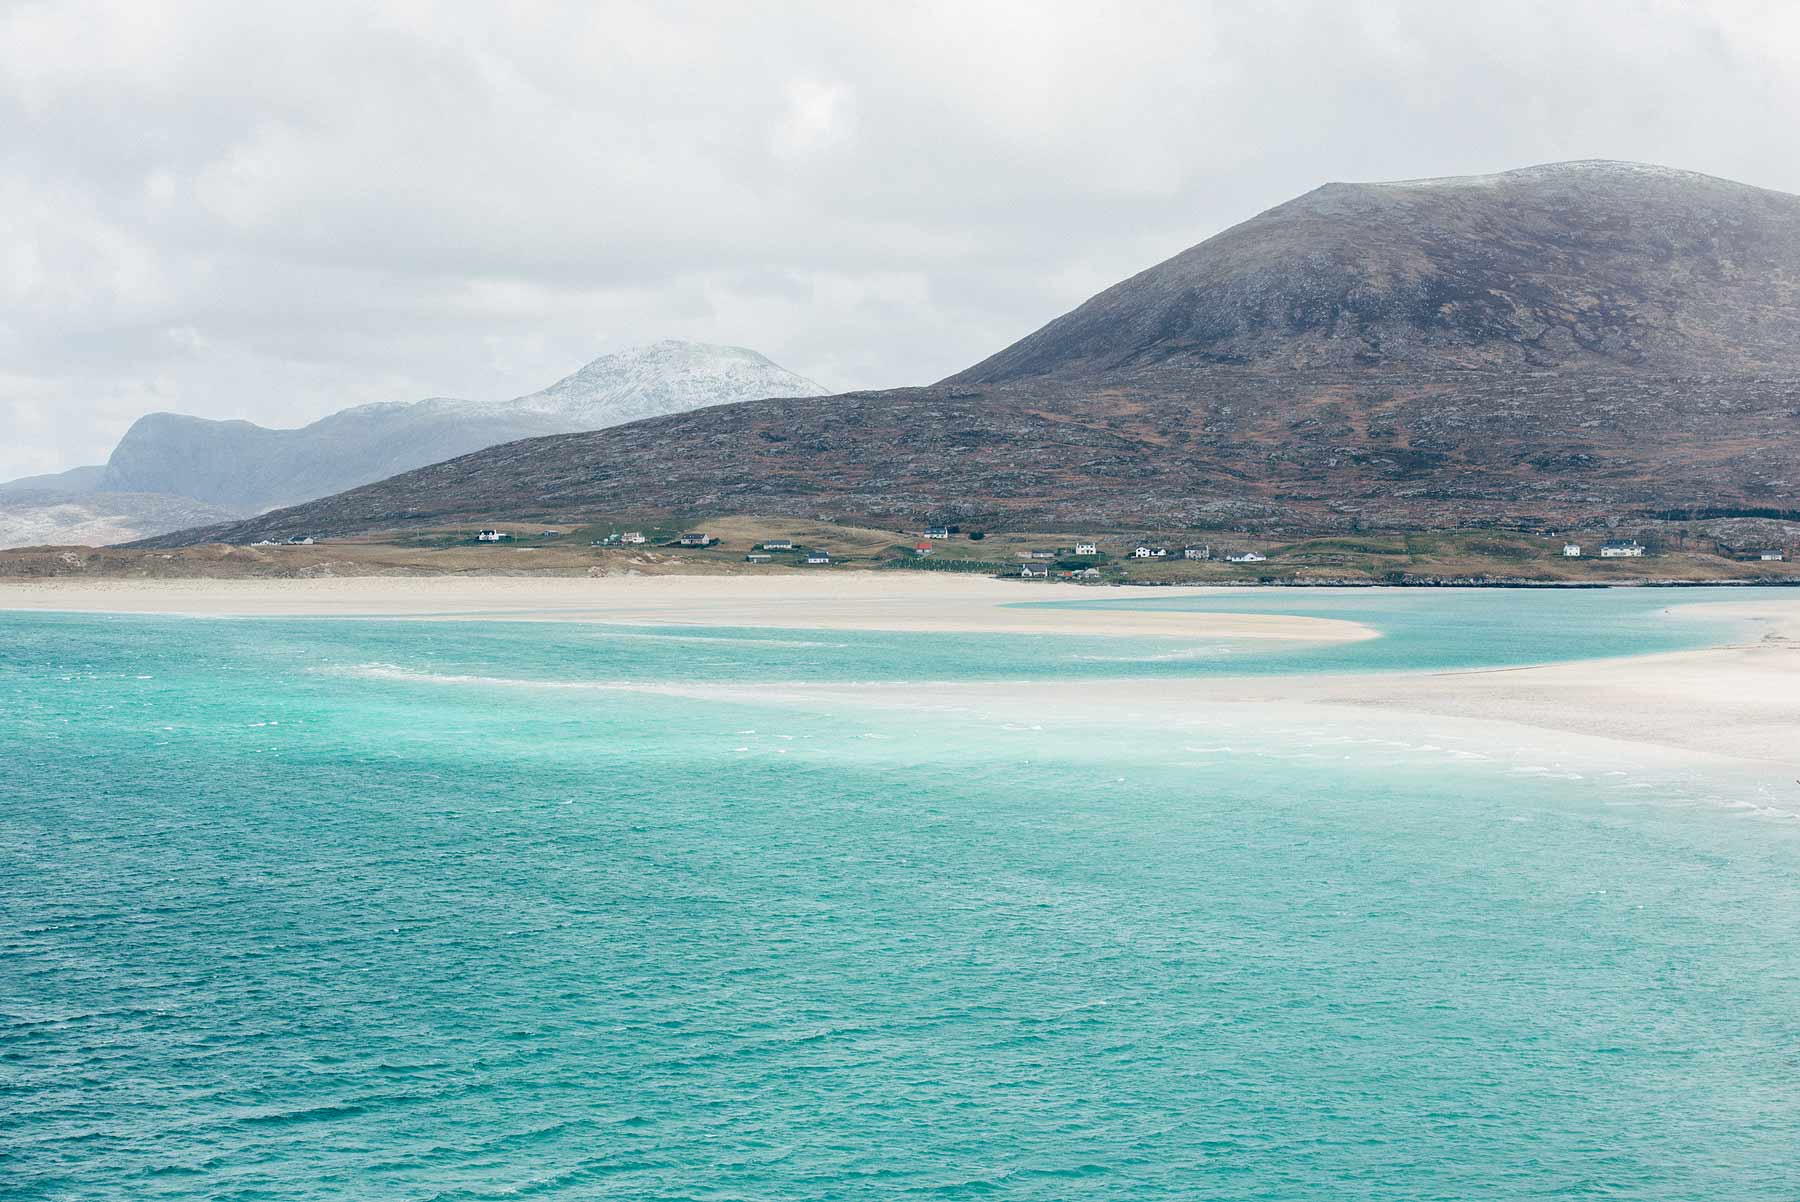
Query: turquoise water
pixel 372 910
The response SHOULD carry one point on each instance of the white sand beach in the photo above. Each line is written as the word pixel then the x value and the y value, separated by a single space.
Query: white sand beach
pixel 1740 701
pixel 836 601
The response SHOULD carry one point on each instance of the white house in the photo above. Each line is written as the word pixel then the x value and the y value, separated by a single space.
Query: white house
pixel 1028 571
pixel 300 540
pixel 1089 573
pixel 1771 555
pixel 695 540
pixel 633 536
pixel 937 532
pixel 1196 552
pixel 1146 551
pixel 1620 548
pixel 758 557
pixel 1246 557
pixel 1087 548
pixel 1572 550
pixel 817 557
pixel 490 536
pixel 778 544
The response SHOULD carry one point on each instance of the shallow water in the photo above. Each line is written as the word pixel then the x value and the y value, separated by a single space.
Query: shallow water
pixel 311 909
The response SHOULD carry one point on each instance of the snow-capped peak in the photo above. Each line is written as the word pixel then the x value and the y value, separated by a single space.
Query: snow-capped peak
pixel 664 377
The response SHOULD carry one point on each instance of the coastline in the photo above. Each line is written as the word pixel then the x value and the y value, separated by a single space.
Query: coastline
pixel 1738 701
pixel 1735 704
pixel 907 603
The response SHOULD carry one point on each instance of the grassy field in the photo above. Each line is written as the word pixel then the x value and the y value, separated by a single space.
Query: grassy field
pixel 1462 556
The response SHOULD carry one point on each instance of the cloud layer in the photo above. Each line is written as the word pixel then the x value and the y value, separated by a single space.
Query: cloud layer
pixel 273 212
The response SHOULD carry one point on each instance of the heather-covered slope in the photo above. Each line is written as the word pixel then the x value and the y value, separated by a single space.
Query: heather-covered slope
pixel 1570 266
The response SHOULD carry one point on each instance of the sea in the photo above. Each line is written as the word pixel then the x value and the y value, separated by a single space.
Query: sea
pixel 483 909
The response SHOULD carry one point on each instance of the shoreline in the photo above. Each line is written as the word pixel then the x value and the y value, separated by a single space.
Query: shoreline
pixel 925 603
pixel 1739 700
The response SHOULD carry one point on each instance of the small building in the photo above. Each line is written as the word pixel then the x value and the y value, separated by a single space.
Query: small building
pixel 1089 573
pixel 635 537
pixel 1196 552
pixel 695 540
pixel 778 544
pixel 1246 557
pixel 300 540
pixel 1033 572
pixel 1771 555
pixel 1087 548
pixel 551 534
pixel 922 549
pixel 1621 548
pixel 758 557
pixel 1572 550
pixel 490 536
pixel 937 532
pixel 1040 554
pixel 817 557
pixel 1146 551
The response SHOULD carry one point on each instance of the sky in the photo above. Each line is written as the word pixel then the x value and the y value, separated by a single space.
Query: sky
pixel 276 211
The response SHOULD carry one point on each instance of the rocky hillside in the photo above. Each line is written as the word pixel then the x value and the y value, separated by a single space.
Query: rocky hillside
pixel 1552 346
pixel 1593 266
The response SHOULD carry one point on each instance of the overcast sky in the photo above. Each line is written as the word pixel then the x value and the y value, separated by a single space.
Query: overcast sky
pixel 276 211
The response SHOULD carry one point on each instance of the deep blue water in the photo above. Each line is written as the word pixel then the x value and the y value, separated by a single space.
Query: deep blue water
pixel 315 909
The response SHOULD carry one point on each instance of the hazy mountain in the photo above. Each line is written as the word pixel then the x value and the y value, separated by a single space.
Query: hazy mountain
pixel 1560 344
pixel 30 519
pixel 242 468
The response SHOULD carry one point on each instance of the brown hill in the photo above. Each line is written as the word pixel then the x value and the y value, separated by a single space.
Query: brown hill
pixel 1554 345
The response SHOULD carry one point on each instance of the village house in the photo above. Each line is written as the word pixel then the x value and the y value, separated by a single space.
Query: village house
pixel 1246 557
pixel 1771 555
pixel 1146 551
pixel 758 557
pixel 937 532
pixel 921 549
pixel 1572 550
pixel 633 536
pixel 817 557
pixel 1089 573
pixel 695 540
pixel 1620 548
pixel 1196 552
pixel 300 540
pixel 1087 548
pixel 1031 571
pixel 490 536
pixel 778 544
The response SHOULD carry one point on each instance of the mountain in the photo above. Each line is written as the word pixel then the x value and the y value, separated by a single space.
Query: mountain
pixel 168 464
pixel 32 519
pixel 1571 266
pixel 1563 344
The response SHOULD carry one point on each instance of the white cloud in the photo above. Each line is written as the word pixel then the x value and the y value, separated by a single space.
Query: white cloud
pixel 276 211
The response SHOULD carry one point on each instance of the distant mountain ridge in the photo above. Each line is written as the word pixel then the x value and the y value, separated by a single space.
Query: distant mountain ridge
pixel 1571 343
pixel 170 467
